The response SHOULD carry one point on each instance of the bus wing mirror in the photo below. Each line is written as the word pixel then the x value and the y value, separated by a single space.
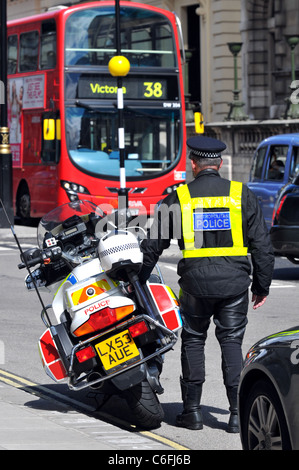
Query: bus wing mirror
pixel 49 129
pixel 58 129
pixel 199 123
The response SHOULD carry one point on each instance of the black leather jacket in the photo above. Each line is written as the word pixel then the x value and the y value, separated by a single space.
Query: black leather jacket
pixel 223 276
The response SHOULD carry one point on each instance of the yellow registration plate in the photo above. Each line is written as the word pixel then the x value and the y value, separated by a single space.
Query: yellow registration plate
pixel 117 349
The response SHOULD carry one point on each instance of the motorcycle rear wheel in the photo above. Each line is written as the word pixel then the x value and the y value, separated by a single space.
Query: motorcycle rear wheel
pixel 145 406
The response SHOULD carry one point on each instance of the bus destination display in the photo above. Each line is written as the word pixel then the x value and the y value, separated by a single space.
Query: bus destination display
pixel 151 88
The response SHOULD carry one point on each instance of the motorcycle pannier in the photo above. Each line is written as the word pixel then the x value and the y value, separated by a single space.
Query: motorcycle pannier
pixel 50 357
pixel 167 305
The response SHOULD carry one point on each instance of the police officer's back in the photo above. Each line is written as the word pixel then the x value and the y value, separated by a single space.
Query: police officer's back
pixel 217 222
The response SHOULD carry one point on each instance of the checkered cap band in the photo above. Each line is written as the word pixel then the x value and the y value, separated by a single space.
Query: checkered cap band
pixel 201 154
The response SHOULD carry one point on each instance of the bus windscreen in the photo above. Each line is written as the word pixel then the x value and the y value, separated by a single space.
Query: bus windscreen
pixel 146 37
pixel 151 142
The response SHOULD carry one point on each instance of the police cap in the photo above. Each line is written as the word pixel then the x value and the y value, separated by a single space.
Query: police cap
pixel 205 147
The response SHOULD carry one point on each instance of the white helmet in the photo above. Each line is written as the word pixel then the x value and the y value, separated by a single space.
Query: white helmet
pixel 118 250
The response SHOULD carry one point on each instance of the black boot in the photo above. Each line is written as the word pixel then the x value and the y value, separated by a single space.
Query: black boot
pixel 191 417
pixel 233 422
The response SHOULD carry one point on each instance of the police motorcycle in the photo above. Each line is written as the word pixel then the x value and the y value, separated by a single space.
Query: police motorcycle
pixel 109 332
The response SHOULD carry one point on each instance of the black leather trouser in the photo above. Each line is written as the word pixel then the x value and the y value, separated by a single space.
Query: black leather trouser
pixel 230 318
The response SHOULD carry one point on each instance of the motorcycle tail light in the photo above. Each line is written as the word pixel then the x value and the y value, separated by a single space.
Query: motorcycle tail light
pixel 102 319
pixel 138 329
pixel 85 354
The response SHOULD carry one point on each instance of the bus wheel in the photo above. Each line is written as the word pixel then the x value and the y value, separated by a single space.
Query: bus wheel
pixel 23 205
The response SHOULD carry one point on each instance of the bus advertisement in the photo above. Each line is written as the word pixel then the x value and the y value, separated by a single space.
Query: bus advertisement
pixel 62 111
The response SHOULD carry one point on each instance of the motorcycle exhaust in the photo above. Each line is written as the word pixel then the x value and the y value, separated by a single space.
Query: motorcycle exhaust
pixel 93 377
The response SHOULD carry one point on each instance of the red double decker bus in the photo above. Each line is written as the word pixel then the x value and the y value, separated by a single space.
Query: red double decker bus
pixel 62 110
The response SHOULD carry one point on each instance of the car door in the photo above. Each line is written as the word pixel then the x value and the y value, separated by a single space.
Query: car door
pixel 256 181
pixel 269 175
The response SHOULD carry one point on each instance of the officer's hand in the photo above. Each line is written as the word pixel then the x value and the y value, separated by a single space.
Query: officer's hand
pixel 258 300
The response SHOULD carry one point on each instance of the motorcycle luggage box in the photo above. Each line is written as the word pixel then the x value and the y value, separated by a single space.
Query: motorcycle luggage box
pixel 167 305
pixel 90 290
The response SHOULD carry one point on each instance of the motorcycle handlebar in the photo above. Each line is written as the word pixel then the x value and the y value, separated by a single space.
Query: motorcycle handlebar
pixel 44 256
pixel 30 263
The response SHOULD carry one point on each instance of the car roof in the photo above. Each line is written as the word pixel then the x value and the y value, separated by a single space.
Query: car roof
pixel 281 139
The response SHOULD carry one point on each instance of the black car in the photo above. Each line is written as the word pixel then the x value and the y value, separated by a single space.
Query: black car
pixel 268 393
pixel 284 231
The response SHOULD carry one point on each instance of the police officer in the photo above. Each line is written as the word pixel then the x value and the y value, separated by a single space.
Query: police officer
pixel 217 222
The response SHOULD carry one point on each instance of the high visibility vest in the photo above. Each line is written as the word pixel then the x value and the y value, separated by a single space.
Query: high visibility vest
pixel 233 203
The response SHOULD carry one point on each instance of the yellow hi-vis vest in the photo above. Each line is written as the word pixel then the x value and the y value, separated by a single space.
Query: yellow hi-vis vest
pixel 233 202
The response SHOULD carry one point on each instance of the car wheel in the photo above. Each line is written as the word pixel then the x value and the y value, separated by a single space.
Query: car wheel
pixel 264 425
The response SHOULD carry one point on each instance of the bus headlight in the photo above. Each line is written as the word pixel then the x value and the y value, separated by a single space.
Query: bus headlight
pixel 73 189
pixel 172 188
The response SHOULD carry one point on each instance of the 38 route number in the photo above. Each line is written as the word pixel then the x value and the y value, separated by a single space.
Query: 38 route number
pixel 153 89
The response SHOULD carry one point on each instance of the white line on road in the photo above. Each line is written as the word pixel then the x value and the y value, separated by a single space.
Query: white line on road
pixel 172 268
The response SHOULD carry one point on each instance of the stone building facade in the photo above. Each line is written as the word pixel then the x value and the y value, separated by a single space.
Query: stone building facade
pixel 265 28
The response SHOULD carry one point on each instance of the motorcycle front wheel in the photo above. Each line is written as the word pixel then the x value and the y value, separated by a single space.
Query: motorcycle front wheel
pixel 145 405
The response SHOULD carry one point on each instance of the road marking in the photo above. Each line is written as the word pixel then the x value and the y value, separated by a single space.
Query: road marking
pixel 11 246
pixel 39 390
pixel 17 382
pixel 164 440
pixel 172 268
pixel 282 284
pixel 43 392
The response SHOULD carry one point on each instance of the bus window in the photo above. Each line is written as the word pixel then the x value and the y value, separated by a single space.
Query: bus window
pixel 146 38
pixel 151 141
pixel 48 45
pixel 12 54
pixel 28 51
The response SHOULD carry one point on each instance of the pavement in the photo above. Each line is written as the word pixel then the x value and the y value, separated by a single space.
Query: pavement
pixel 33 421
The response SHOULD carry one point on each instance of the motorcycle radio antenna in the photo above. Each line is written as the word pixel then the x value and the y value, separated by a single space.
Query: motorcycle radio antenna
pixel 25 262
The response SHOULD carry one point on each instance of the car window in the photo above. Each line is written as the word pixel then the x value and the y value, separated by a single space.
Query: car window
pixel 294 169
pixel 257 165
pixel 277 162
